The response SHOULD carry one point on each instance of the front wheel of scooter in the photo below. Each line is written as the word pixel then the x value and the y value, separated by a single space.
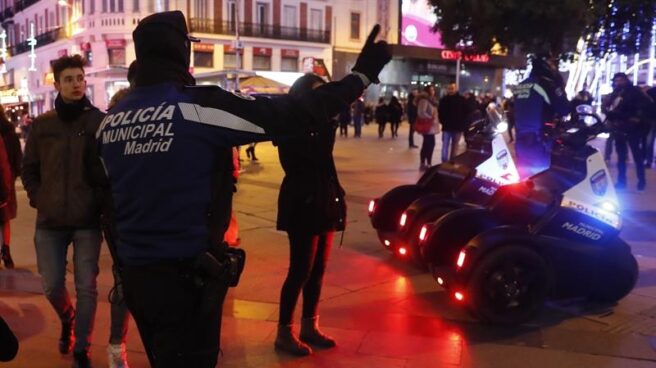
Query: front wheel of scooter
pixel 509 285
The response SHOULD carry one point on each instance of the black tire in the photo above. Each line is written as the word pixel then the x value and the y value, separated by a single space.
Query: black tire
pixel 509 285
pixel 617 276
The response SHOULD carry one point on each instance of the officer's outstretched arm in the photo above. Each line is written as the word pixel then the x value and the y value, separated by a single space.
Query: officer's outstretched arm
pixel 260 119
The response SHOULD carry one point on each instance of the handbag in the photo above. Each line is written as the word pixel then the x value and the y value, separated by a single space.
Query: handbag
pixel 424 125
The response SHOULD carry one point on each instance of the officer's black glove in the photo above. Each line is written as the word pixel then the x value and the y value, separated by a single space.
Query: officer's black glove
pixel 373 57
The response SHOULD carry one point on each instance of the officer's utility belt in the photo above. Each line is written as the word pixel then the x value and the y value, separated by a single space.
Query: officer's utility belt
pixel 220 263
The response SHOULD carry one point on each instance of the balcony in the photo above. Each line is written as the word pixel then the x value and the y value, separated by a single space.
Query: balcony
pixel 23 4
pixel 202 25
pixel 41 40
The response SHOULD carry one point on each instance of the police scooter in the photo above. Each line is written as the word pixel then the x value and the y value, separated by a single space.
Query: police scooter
pixel 554 235
pixel 471 176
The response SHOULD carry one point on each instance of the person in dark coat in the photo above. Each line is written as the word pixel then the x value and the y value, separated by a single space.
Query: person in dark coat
pixel 344 121
pixel 381 114
pixel 311 208
pixel 395 113
pixel 411 110
pixel 452 110
pixel 8 342
pixel 14 156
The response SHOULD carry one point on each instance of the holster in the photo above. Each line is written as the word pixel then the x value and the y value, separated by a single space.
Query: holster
pixel 220 263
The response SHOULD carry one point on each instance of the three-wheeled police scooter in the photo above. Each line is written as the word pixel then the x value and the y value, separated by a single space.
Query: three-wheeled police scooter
pixel 554 235
pixel 471 176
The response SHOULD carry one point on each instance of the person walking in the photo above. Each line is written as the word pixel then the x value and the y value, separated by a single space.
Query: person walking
pixel 452 111
pixel 358 115
pixel 395 111
pixel 12 157
pixel 626 110
pixel 172 187
pixel 344 121
pixel 651 136
pixel 55 177
pixel 311 208
pixel 411 111
pixel 427 125
pixel 381 114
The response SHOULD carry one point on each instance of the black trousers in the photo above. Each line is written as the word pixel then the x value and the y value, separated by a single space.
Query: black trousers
pixel 178 320
pixel 634 142
pixel 308 256
pixel 411 134
pixel 427 148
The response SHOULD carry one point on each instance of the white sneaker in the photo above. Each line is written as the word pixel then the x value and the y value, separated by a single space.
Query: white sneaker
pixel 117 356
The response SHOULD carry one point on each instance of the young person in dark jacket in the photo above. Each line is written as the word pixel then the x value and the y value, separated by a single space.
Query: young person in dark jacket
pixel 167 150
pixel 14 156
pixel 452 110
pixel 311 208
pixel 381 114
pixel 56 180
pixel 395 114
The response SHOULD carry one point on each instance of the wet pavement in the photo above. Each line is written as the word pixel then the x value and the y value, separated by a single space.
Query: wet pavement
pixel 382 311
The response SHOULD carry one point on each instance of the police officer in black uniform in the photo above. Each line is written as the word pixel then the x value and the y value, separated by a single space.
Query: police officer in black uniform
pixel 539 101
pixel 166 148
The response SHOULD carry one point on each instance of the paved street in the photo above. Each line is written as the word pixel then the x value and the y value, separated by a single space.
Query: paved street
pixel 383 313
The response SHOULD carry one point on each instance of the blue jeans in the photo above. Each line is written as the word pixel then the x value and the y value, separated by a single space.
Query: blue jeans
pixel 51 248
pixel 357 124
pixel 450 141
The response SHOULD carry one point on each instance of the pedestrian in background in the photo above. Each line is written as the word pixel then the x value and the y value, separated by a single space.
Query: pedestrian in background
pixel 55 176
pixel 395 111
pixel 627 111
pixel 358 115
pixel 311 208
pixel 381 114
pixel 452 111
pixel 427 125
pixel 344 121
pixel 651 136
pixel 25 124
pixel 12 157
pixel 411 111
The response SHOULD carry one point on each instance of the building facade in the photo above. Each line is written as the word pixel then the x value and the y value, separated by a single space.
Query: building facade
pixel 287 36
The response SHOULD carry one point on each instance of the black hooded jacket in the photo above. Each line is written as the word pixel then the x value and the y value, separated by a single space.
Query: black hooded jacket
pixel 167 145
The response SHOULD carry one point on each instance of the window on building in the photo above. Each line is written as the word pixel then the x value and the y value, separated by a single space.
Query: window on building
pixel 262 13
pixel 229 61
pixel 203 59
pixel 112 6
pixel 289 15
pixel 355 26
pixel 261 62
pixel 155 6
pixel 316 19
pixel 92 6
pixel 232 15
pixel 201 9
pixel 289 64
pixel 135 5
pixel 116 56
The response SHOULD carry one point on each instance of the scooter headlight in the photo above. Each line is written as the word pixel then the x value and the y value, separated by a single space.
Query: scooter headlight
pixel 502 127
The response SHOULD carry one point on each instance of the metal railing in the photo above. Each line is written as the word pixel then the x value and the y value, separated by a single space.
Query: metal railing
pixel 206 25
pixel 41 40
pixel 23 4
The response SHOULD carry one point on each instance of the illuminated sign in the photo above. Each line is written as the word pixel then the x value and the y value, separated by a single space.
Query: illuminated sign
pixel 203 47
pixel 455 55
pixel 417 19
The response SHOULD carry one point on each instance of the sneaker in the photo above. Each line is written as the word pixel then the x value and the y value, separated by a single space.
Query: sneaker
pixel 81 359
pixel 66 338
pixel 117 356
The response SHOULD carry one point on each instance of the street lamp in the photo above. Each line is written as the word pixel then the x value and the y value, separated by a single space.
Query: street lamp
pixel 237 44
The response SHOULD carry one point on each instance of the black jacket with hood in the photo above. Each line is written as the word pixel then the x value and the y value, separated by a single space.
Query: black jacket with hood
pixel 167 145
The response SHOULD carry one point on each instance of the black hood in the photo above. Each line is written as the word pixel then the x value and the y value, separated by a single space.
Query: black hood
pixel 163 46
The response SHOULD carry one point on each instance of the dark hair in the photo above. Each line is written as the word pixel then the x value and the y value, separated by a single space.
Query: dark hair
pixel 65 62
pixel 428 88
pixel 304 84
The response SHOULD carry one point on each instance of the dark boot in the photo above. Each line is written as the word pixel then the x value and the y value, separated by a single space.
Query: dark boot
pixel 81 359
pixel 66 338
pixel 288 342
pixel 6 257
pixel 311 334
